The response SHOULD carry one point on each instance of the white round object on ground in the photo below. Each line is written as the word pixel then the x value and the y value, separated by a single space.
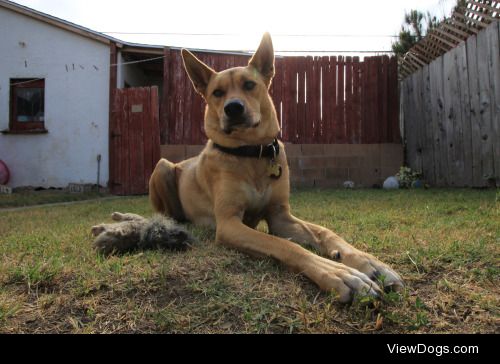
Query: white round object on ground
pixel 349 184
pixel 391 183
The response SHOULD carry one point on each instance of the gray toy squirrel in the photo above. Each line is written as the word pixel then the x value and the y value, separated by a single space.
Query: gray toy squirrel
pixel 133 232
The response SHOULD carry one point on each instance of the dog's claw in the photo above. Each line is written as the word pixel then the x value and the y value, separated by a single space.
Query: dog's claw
pixel 345 281
pixel 336 255
pixel 378 272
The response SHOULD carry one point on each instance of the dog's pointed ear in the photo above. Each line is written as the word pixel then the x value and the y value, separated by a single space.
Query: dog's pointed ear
pixel 198 72
pixel 263 59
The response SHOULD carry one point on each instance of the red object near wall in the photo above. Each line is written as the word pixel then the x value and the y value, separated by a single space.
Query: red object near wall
pixel 4 173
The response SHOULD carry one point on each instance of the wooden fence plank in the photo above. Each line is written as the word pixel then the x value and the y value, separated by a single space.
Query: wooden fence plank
pixel 136 138
pixel 340 136
pixel 493 47
pixel 147 129
pixel 371 95
pixel 276 91
pixel 409 115
pixel 464 105
pixel 164 112
pixel 291 98
pixel 450 117
pixel 416 135
pixel 393 95
pixel 383 99
pixel 364 72
pixel 300 69
pixel 181 104
pixel 116 142
pixel 285 96
pixel 325 98
pixel 458 140
pixel 356 122
pixel 174 82
pixel 186 101
pixel 485 104
pixel 376 119
pixel 307 121
pixel 472 69
pixel 437 108
pixel 332 104
pixel 316 99
pixel 427 143
pixel 125 145
pixel 348 99
pixel 155 130
pixel 368 135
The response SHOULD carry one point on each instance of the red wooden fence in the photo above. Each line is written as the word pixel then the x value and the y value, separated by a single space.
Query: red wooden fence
pixel 320 100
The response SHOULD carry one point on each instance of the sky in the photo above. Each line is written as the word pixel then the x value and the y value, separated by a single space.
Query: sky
pixel 335 26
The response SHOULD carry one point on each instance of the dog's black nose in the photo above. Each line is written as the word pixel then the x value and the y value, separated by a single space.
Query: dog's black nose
pixel 234 108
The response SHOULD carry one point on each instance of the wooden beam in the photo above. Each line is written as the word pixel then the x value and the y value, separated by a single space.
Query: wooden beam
pixel 469 19
pixel 430 45
pixel 409 61
pixel 482 15
pixel 466 28
pixel 456 30
pixel 139 50
pixel 485 6
pixel 430 51
pixel 416 59
pixel 423 52
pixel 444 41
pixel 450 36
pixel 405 70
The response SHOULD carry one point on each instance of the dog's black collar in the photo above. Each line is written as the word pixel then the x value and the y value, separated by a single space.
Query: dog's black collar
pixel 270 151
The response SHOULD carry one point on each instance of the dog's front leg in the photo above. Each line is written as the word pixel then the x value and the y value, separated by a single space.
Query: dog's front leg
pixel 283 224
pixel 327 274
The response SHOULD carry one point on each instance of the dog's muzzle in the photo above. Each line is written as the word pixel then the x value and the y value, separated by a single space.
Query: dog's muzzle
pixel 234 109
pixel 235 115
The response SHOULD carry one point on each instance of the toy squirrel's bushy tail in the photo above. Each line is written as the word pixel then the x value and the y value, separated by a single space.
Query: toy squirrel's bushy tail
pixel 132 232
pixel 160 232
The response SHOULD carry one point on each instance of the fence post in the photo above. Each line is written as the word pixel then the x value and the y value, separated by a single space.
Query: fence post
pixel 164 120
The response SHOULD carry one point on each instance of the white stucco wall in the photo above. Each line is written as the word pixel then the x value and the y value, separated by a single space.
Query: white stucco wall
pixel 76 72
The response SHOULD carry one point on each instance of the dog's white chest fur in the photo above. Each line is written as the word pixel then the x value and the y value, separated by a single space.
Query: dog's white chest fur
pixel 257 200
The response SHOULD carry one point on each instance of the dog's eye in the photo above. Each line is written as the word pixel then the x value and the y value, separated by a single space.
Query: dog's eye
pixel 249 85
pixel 218 93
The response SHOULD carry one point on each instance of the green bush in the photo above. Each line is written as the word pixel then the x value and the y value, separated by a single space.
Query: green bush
pixel 407 177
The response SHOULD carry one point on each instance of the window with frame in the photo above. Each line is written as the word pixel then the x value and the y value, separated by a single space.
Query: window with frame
pixel 27 105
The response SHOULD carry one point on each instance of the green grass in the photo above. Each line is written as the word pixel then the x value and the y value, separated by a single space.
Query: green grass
pixel 31 197
pixel 445 243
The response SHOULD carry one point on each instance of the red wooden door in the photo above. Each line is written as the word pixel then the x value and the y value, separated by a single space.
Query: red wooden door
pixel 134 140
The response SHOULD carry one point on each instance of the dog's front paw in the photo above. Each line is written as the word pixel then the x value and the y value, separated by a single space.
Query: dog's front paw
pixel 372 267
pixel 343 280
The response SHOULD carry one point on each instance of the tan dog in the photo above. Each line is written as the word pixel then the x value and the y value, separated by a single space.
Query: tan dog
pixel 241 177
